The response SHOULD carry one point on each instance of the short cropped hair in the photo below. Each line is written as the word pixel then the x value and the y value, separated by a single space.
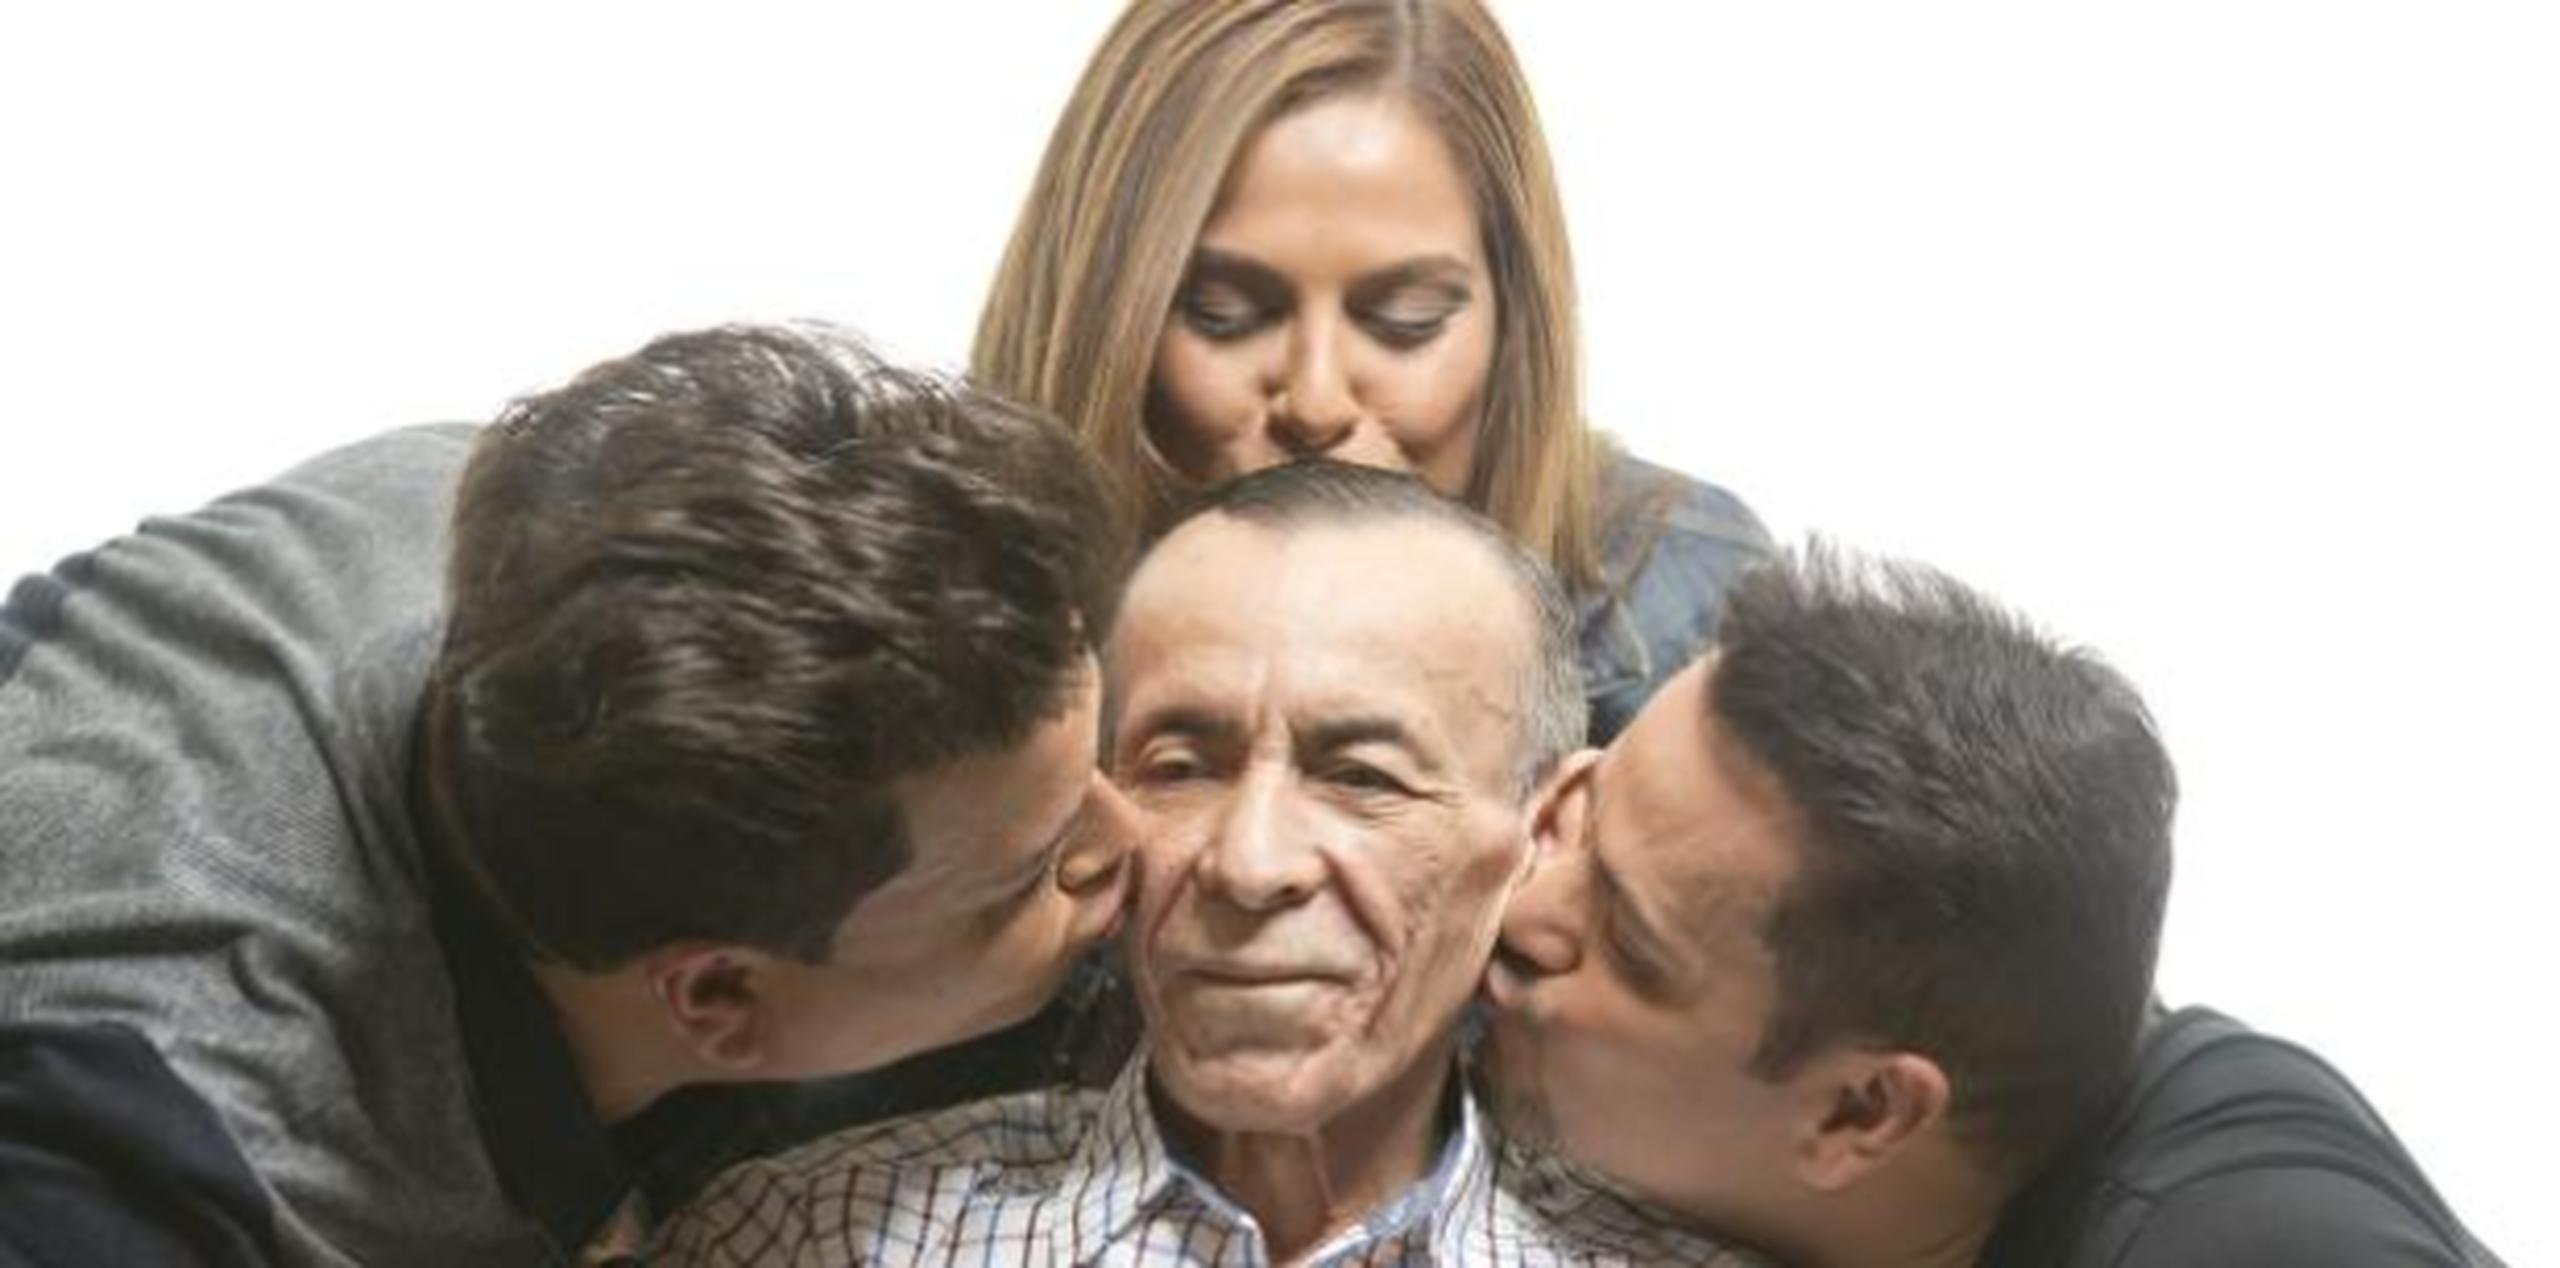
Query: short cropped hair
pixel 1326 493
pixel 1985 822
pixel 708 600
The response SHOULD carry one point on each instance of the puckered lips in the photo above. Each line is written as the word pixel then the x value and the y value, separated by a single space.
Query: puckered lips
pixel 1505 984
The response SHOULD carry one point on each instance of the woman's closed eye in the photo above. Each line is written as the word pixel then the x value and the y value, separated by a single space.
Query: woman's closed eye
pixel 1219 312
pixel 1412 319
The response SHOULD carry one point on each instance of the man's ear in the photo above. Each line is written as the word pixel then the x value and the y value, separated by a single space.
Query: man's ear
pixel 714 996
pixel 1555 814
pixel 1865 1108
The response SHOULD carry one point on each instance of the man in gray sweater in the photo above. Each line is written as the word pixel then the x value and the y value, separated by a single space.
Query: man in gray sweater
pixel 431 854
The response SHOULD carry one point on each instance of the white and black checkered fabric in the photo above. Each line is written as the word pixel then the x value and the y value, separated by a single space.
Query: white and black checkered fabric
pixel 1067 1177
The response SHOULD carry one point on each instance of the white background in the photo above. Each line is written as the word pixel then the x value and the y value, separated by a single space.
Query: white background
pixel 2223 336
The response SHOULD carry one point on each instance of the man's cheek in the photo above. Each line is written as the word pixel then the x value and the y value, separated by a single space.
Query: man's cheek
pixel 1159 878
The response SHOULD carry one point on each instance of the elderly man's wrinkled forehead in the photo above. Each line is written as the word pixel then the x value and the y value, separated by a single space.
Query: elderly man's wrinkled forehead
pixel 1348 617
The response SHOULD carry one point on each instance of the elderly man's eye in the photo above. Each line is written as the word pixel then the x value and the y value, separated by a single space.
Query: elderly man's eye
pixel 1168 767
pixel 1362 778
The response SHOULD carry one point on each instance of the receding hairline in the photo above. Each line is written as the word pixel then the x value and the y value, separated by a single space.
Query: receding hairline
pixel 1361 522
pixel 1522 651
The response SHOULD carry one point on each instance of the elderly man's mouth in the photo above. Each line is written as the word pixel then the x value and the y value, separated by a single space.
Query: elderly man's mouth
pixel 1255 979
pixel 1242 976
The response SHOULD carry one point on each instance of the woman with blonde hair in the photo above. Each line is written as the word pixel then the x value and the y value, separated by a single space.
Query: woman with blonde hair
pixel 1270 229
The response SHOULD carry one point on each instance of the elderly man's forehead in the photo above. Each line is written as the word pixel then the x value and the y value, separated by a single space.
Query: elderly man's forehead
pixel 1413 556
pixel 1393 546
pixel 1379 608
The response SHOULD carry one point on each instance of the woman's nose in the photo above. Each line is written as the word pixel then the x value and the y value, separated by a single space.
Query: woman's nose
pixel 1313 408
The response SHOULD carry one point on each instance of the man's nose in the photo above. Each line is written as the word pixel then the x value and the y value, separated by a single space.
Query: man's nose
pixel 1313 406
pixel 1543 928
pixel 1098 855
pixel 1261 855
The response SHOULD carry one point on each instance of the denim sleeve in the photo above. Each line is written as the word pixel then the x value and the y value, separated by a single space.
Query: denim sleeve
pixel 1672 549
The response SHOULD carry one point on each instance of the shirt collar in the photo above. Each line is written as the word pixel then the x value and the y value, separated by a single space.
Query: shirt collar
pixel 1126 1168
pixel 1121 1166
pixel 1459 1187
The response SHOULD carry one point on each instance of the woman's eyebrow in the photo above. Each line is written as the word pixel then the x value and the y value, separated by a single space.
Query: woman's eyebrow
pixel 1235 269
pixel 1445 272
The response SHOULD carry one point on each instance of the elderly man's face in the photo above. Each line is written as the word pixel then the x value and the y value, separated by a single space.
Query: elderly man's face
pixel 1323 724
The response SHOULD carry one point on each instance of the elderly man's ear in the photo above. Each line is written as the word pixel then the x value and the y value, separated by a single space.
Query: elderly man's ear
pixel 1863 1110
pixel 1556 811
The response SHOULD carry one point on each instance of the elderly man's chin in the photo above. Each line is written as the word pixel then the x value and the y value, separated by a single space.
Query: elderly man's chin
pixel 1270 1080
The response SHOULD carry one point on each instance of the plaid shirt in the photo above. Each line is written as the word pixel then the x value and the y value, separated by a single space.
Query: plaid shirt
pixel 1066 1177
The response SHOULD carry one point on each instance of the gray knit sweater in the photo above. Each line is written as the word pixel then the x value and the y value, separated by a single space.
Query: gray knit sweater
pixel 204 733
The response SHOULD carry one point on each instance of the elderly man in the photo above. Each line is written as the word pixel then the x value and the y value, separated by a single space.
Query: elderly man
pixel 756 742
pixel 1334 692
pixel 1845 948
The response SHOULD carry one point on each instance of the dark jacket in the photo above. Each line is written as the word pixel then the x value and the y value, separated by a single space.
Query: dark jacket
pixel 2233 1148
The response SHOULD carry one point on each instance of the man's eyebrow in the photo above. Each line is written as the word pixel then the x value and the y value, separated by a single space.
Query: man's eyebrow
pixel 1333 734
pixel 1634 930
pixel 1068 827
pixel 1045 859
pixel 1628 920
pixel 1188 720
pixel 1623 910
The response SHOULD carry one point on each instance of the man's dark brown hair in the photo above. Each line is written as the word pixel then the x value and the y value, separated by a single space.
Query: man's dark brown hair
pixel 1984 851
pixel 707 601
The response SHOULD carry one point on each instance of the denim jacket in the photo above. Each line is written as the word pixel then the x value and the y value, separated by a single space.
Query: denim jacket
pixel 1671 546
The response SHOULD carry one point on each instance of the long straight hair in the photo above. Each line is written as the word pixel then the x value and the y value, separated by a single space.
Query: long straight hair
pixel 1135 167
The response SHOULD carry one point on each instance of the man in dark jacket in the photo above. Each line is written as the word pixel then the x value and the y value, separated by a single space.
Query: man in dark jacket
pixel 1845 948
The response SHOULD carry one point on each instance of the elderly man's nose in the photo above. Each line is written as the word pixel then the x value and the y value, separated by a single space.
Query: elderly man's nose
pixel 1260 856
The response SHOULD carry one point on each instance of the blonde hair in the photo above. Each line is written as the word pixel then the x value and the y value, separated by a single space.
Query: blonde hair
pixel 1136 165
